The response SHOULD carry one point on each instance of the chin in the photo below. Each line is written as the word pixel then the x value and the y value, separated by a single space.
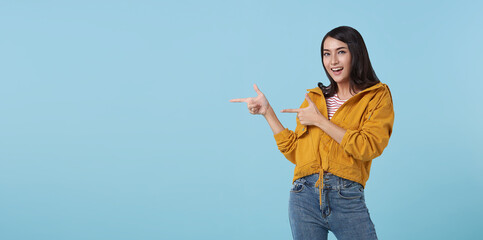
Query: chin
pixel 339 80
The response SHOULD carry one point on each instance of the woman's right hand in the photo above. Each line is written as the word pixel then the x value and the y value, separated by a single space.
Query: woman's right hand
pixel 256 105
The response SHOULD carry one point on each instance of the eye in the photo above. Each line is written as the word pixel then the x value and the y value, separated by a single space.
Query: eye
pixel 341 52
pixel 326 54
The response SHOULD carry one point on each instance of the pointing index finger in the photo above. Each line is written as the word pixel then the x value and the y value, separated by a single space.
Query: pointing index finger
pixel 291 110
pixel 239 100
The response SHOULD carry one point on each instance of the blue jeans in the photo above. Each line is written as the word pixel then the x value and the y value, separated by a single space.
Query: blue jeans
pixel 343 210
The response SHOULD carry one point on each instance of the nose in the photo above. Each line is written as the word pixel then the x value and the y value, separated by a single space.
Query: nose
pixel 334 60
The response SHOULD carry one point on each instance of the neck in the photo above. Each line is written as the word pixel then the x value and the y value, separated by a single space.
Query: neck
pixel 344 90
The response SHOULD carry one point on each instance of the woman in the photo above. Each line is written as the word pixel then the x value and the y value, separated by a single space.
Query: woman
pixel 340 129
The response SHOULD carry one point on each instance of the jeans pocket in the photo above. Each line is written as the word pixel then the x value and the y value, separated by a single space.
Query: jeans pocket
pixel 355 191
pixel 297 186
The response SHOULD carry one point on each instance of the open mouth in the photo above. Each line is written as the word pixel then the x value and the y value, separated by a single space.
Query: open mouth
pixel 337 69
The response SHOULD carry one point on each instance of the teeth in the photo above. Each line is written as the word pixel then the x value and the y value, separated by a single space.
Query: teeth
pixel 336 69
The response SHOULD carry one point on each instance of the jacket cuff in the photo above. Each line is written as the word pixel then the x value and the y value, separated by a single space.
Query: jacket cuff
pixel 283 135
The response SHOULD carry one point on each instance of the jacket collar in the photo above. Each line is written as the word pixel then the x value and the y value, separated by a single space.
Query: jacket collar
pixel 317 90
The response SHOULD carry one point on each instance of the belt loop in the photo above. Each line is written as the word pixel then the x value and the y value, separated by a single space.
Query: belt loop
pixel 303 180
pixel 341 183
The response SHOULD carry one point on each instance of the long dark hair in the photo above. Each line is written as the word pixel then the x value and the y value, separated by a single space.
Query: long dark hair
pixel 362 74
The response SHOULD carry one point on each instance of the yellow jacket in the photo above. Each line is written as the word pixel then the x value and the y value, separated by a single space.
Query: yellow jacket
pixel 368 118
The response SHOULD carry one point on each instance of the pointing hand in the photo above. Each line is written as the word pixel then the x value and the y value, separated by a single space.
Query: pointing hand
pixel 256 105
pixel 309 115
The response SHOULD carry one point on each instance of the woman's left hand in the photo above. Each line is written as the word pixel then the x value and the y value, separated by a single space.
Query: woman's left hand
pixel 309 115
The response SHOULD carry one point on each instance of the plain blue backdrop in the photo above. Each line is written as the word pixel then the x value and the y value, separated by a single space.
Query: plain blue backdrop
pixel 115 119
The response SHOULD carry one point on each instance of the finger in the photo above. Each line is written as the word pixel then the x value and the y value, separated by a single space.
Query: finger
pixel 256 89
pixel 309 100
pixel 291 110
pixel 253 110
pixel 239 100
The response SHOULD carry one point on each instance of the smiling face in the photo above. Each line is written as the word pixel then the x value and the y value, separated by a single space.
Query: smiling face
pixel 337 60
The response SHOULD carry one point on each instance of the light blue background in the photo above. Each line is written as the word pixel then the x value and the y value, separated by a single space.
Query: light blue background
pixel 115 120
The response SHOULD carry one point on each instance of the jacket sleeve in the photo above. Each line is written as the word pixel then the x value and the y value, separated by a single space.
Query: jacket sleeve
pixel 287 140
pixel 287 143
pixel 368 142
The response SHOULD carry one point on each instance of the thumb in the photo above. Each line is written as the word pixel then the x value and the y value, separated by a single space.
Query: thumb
pixel 256 89
pixel 312 104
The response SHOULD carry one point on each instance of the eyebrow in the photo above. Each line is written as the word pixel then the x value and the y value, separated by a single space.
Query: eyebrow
pixel 336 49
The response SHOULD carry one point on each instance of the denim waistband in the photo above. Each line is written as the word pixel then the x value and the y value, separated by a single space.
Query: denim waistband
pixel 331 181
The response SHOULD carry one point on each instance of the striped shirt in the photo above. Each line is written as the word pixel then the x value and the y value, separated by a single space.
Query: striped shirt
pixel 333 103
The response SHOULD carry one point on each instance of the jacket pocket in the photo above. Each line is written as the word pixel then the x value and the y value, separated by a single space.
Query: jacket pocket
pixel 306 151
pixel 300 130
